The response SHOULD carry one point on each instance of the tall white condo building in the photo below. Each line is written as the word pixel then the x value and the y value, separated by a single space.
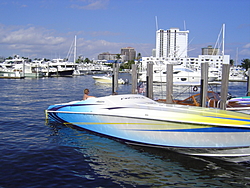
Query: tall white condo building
pixel 172 47
pixel 171 43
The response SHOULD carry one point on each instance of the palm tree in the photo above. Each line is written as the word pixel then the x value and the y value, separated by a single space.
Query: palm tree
pixel 118 56
pixel 245 63
pixel 138 56
pixel 231 62
pixel 87 60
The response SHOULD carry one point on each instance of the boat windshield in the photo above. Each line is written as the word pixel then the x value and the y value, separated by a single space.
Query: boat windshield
pixel 183 69
pixel 213 95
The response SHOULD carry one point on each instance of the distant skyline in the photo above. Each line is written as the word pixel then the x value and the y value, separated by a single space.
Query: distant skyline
pixel 46 28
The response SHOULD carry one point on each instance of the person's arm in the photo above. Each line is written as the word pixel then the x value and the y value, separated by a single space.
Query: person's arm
pixel 86 97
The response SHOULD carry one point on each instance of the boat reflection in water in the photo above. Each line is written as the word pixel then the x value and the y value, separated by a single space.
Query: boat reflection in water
pixel 141 121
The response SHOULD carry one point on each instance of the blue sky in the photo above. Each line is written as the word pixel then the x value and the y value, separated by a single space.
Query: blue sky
pixel 46 28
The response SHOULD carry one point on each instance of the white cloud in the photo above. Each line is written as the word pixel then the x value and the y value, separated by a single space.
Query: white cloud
pixel 39 42
pixel 91 4
pixel 103 33
pixel 29 39
pixel 30 35
pixel 24 6
pixel 247 45
pixel 245 52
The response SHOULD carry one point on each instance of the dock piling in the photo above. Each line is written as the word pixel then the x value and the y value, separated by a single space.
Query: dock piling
pixel 150 80
pixel 204 84
pixel 134 78
pixel 224 85
pixel 115 77
pixel 169 89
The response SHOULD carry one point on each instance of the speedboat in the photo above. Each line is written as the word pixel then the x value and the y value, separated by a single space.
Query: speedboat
pixel 107 79
pixel 136 119
pixel 238 104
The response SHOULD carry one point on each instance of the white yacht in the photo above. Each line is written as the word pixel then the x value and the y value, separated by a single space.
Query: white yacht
pixel 58 67
pixel 181 74
pixel 19 67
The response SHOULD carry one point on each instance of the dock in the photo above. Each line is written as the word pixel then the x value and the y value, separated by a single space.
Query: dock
pixel 11 75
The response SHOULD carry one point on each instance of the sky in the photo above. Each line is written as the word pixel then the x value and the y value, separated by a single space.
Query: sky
pixel 46 28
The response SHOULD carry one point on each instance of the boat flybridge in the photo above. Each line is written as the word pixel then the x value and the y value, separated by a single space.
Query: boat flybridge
pixel 136 119
pixel 181 74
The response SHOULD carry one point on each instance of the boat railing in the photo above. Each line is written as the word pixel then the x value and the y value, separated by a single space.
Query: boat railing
pixel 212 103
pixel 218 104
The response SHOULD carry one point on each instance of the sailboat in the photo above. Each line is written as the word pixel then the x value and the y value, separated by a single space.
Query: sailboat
pixel 61 67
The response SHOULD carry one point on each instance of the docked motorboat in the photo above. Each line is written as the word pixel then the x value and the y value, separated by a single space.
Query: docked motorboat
pixel 138 120
pixel 107 79
pixel 19 68
pixel 11 75
pixel 237 104
pixel 58 67
pixel 180 75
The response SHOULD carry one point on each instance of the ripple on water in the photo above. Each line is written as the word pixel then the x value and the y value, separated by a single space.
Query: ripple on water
pixel 39 154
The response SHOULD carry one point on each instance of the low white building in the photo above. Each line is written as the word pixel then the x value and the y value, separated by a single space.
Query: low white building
pixel 214 61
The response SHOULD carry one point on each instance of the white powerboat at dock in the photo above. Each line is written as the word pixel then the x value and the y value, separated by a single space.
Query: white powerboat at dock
pixel 180 75
pixel 136 119
pixel 107 79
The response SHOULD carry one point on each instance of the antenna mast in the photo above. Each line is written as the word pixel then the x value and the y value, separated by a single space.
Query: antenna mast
pixel 237 57
pixel 223 38
pixel 75 50
pixel 156 22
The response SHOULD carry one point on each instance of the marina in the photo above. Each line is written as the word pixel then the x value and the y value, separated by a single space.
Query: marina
pixel 92 97
pixel 38 153
pixel 18 67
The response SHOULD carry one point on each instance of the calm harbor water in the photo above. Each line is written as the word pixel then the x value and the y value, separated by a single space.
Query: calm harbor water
pixel 37 153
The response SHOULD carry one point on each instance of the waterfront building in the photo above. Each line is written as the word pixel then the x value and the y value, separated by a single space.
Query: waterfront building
pixel 107 56
pixel 210 51
pixel 171 43
pixel 129 53
pixel 214 61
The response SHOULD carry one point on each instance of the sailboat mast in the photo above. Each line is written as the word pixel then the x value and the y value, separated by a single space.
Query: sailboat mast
pixel 223 39
pixel 75 50
pixel 237 57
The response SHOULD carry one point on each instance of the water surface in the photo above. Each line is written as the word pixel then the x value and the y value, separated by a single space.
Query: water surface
pixel 37 153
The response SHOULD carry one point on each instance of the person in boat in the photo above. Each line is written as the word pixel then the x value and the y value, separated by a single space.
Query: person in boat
pixel 86 94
